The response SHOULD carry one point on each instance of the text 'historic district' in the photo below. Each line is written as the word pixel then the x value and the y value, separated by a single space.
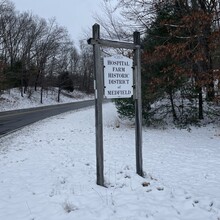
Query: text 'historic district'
pixel 118 77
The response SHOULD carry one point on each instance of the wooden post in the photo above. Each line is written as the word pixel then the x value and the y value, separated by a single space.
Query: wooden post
pixel 98 85
pixel 98 73
pixel 138 104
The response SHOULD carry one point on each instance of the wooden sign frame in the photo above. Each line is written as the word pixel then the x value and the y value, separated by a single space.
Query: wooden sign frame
pixel 99 87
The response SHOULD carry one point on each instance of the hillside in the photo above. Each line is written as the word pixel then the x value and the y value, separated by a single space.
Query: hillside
pixel 12 100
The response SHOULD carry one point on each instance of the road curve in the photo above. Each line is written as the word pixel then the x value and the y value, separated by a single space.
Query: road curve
pixel 13 120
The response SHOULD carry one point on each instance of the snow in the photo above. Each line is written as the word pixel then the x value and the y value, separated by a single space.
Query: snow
pixel 12 100
pixel 48 171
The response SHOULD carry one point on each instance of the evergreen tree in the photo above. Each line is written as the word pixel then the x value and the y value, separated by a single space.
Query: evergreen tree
pixel 179 47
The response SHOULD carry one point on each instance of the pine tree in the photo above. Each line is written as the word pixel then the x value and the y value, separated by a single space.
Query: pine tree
pixel 177 61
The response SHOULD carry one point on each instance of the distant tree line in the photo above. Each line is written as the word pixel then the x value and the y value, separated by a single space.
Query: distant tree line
pixel 37 54
pixel 180 57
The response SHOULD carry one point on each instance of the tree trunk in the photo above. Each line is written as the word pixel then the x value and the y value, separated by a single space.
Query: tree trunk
pixel 211 92
pixel 21 89
pixel 200 104
pixel 210 87
pixel 172 105
pixel 41 95
pixel 59 91
pixel 36 81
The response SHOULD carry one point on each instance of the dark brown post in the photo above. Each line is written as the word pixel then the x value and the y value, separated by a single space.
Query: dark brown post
pixel 98 84
pixel 138 104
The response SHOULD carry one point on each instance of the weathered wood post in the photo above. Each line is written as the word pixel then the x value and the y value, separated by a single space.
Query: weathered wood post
pixel 98 85
pixel 138 104
pixel 99 91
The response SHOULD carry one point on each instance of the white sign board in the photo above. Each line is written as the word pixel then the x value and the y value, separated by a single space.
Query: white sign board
pixel 118 77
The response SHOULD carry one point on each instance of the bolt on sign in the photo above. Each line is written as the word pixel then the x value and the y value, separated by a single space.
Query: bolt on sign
pixel 118 77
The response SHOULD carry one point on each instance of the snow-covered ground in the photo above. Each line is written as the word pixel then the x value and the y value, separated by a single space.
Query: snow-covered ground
pixel 12 100
pixel 48 171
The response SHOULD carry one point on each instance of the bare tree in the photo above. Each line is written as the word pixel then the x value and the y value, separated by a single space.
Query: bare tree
pixel 46 48
pixel 35 51
pixel 8 23
pixel 86 68
pixel 121 18
pixel 35 28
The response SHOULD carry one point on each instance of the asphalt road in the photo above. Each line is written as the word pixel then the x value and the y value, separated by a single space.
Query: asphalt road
pixel 13 120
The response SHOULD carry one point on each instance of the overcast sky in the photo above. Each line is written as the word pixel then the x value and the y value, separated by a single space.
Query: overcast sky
pixel 75 15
